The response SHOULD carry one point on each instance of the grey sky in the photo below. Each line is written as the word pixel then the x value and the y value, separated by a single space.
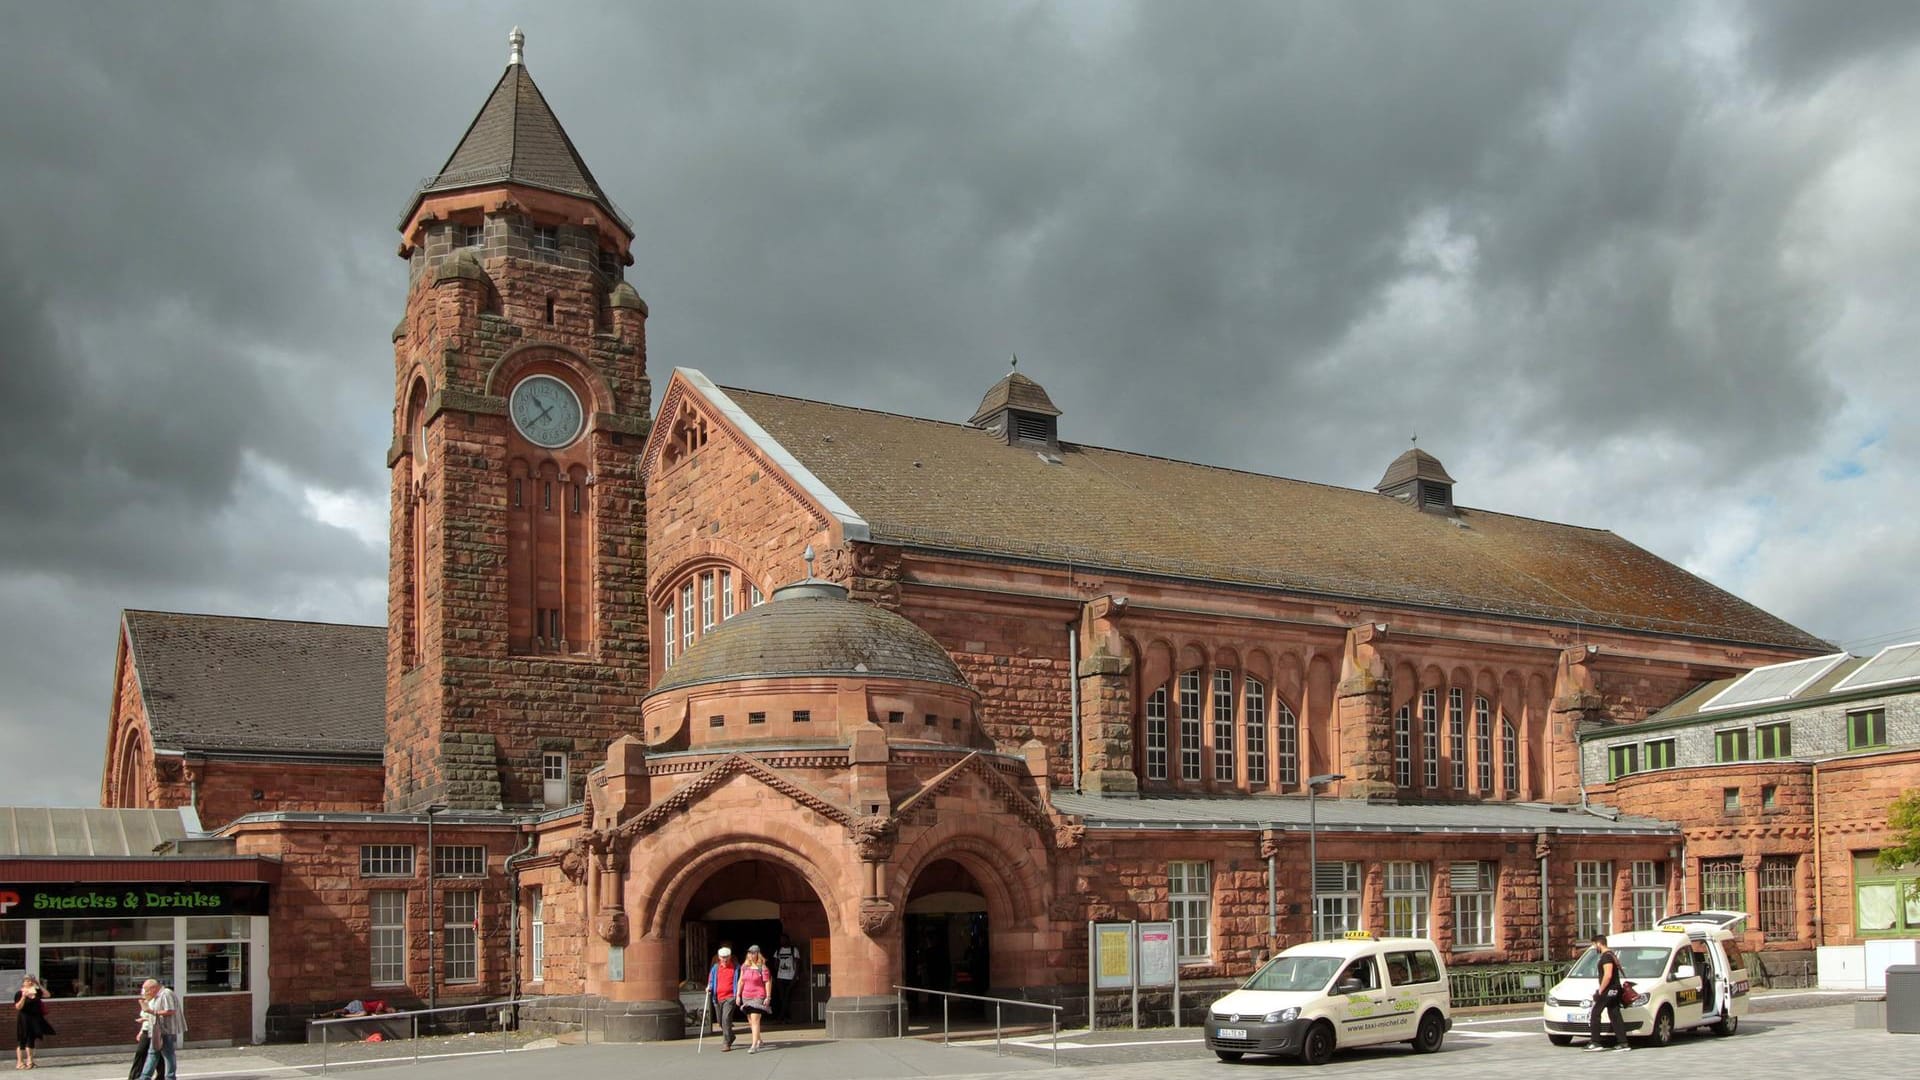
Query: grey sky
pixel 1646 266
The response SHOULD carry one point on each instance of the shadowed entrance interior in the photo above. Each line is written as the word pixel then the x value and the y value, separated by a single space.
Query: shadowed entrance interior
pixel 756 902
pixel 946 940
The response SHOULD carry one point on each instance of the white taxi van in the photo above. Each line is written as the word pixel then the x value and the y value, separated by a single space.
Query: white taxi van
pixel 1325 995
pixel 1689 972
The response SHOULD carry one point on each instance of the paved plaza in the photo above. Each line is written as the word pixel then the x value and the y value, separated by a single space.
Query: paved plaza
pixel 1788 1035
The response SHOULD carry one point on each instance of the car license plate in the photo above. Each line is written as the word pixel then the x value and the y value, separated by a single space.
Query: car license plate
pixel 1577 1018
pixel 1230 1033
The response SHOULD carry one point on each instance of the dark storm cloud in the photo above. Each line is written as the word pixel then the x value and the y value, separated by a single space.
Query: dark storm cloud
pixel 1581 248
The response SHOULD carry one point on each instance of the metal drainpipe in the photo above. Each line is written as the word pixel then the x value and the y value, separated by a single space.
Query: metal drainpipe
pixel 513 914
pixel 1273 926
pixel 1073 679
pixel 1546 952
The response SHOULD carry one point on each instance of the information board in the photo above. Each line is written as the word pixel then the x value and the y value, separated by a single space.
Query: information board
pixel 1156 954
pixel 1113 955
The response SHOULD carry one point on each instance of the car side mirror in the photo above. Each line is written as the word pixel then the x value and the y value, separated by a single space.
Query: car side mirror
pixel 1348 986
pixel 1684 971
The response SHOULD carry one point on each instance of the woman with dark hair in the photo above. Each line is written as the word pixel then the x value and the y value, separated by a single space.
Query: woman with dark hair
pixel 29 1020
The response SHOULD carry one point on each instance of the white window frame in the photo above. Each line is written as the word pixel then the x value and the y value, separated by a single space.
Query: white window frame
pixel 1483 744
pixel 1338 885
pixel 707 609
pixel 460 941
pixel 686 616
pixel 1649 893
pixel 387 936
pixel 1286 737
pixel 1156 733
pixel 1409 897
pixel 1430 737
pixel 1510 756
pixel 1253 698
pixel 553 778
pixel 1592 898
pixel 667 637
pixel 386 860
pixel 537 936
pixel 1403 747
pixel 1225 768
pixel 1189 702
pixel 1474 886
pixel 1457 735
pixel 459 860
pixel 1190 904
pixel 726 595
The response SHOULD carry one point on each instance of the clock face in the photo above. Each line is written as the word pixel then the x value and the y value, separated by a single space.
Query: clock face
pixel 546 411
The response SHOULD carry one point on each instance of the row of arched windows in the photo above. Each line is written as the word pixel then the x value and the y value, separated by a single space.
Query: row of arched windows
pixel 1255 737
pixel 699 601
pixel 1468 765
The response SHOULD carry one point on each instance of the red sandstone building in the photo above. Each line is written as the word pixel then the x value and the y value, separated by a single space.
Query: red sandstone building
pixel 924 696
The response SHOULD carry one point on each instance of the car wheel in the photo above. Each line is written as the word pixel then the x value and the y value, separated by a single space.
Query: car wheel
pixel 1228 1055
pixel 1728 1026
pixel 1559 1040
pixel 1662 1027
pixel 1432 1030
pixel 1317 1047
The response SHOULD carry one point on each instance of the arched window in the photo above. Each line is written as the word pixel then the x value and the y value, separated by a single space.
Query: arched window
pixel 1286 738
pixel 1223 762
pixel 1190 725
pixel 1510 757
pixel 1483 745
pixel 1457 735
pixel 1430 737
pixel 1156 734
pixel 1255 697
pixel 1403 747
pixel 697 602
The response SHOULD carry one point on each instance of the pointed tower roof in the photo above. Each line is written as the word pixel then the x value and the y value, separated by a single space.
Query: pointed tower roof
pixel 516 139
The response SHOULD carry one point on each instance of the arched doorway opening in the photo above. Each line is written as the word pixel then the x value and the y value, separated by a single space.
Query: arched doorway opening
pixel 765 903
pixel 948 945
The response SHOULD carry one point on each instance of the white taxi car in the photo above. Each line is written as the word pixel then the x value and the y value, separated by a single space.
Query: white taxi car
pixel 1324 995
pixel 1690 973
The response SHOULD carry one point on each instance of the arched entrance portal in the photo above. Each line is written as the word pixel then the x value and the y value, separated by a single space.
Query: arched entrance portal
pixel 764 903
pixel 947 939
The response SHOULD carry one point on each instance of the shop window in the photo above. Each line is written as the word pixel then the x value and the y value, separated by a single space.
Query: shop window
pixel 13 945
pixel 1408 893
pixel 1473 885
pixel 217 954
pixel 1723 885
pixel 1866 728
pixel 1190 896
pixel 459 956
pixel 386 860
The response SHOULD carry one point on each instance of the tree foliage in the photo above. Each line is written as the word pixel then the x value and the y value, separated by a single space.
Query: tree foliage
pixel 1903 817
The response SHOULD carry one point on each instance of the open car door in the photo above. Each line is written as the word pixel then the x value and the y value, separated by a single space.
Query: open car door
pixel 1723 920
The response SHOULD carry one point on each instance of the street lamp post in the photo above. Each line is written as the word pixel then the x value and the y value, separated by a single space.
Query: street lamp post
pixel 433 916
pixel 1314 784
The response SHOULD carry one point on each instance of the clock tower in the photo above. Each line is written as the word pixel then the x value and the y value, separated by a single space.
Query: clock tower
pixel 516 616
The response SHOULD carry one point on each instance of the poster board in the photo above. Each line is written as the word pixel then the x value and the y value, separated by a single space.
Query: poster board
pixel 1156 953
pixel 1113 955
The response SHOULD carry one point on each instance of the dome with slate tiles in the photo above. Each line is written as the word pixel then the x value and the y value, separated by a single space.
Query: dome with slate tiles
pixel 811 664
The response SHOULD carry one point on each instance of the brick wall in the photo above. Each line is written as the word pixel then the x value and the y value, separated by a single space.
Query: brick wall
pixel 113 1023
pixel 227 788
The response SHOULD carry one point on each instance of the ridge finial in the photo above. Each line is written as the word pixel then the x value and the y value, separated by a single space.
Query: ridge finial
pixel 518 41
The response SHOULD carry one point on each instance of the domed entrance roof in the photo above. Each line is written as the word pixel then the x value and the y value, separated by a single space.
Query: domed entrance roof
pixel 812 628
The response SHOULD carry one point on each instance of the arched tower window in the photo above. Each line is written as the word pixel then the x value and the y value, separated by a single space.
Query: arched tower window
pixel 697 601
pixel 550 503
pixel 414 587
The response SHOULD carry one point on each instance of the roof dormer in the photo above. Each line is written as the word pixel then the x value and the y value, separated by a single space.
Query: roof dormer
pixel 1017 411
pixel 1418 479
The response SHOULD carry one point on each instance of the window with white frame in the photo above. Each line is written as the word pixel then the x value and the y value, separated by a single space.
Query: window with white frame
pixel 754 596
pixel 1157 734
pixel 726 595
pixel 1408 892
pixel 553 777
pixel 1457 735
pixel 686 617
pixel 1473 885
pixel 386 860
pixel 1649 893
pixel 1286 738
pixel 1223 763
pixel 1592 899
pixel 459 949
pixel 707 609
pixel 1483 745
pixel 536 936
pixel 387 934
pixel 1254 697
pixel 1190 897
pixel 1510 757
pixel 1337 885
pixel 1403 748
pixel 1430 737
pixel 1190 725
pixel 668 641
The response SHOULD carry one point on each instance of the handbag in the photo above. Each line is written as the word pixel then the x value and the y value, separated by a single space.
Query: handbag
pixel 1629 996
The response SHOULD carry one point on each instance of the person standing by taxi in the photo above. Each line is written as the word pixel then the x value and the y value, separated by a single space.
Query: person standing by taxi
pixel 1607 999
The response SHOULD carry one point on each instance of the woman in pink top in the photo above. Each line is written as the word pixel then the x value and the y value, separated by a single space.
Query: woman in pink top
pixel 755 993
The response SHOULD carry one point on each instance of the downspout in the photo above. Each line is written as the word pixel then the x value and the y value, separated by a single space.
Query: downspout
pixel 1073 679
pixel 1546 953
pixel 513 913
pixel 1819 874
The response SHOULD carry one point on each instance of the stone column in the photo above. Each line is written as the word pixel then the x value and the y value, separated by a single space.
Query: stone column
pixel 862 1003
pixel 1575 702
pixel 1106 701
pixel 1364 704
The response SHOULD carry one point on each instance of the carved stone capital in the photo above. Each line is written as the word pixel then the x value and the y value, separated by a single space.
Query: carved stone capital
pixel 875 915
pixel 611 926
pixel 873 836
pixel 1068 834
pixel 573 862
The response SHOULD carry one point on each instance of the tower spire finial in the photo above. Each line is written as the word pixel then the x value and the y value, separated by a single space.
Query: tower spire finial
pixel 1013 360
pixel 518 40
pixel 808 556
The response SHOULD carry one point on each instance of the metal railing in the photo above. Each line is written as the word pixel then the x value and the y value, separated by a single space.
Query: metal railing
pixel 508 1023
pixel 946 1025
pixel 1502 984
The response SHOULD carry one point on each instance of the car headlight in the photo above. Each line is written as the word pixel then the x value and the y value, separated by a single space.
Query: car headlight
pixel 1284 1016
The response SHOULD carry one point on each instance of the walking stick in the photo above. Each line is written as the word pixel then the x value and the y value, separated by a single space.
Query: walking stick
pixel 700 1043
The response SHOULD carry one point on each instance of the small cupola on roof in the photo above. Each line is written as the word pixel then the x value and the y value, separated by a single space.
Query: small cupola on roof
pixel 1018 412
pixel 1417 478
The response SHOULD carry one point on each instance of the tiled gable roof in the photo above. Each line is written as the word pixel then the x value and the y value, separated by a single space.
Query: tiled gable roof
pixel 516 138
pixel 928 483
pixel 219 682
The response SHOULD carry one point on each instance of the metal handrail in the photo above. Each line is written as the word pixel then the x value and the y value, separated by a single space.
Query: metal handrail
pixel 946 1027
pixel 415 1014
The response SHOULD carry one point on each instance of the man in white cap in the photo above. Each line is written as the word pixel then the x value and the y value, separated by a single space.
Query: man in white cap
pixel 720 990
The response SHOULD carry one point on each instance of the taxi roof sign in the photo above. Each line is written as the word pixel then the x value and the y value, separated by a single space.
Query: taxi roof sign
pixel 1357 935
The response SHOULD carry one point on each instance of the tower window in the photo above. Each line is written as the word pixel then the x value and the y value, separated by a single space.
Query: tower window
pixel 546 238
pixel 470 236
pixel 549 311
